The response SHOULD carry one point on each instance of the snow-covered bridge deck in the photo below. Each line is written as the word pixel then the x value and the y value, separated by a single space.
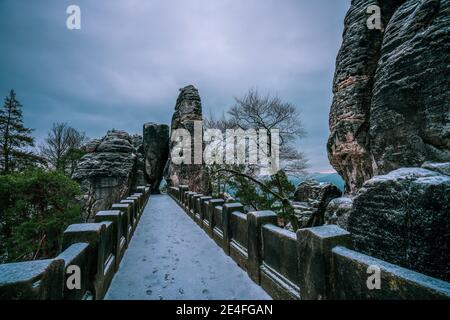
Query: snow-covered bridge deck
pixel 169 257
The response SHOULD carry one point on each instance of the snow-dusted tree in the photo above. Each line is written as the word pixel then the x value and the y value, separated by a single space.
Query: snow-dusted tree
pixel 269 112
pixel 256 112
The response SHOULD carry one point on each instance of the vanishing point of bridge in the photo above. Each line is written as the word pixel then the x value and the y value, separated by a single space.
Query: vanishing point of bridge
pixel 170 258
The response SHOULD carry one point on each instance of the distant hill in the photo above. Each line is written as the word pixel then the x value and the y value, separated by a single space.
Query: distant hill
pixel 333 178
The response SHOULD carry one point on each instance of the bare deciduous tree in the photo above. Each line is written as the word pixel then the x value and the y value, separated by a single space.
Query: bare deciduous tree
pixel 267 112
pixel 254 111
pixel 62 147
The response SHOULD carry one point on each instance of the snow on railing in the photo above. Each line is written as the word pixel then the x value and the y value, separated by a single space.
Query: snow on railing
pixel 313 263
pixel 91 253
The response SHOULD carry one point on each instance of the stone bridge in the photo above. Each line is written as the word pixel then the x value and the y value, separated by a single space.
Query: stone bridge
pixel 187 245
pixel 389 141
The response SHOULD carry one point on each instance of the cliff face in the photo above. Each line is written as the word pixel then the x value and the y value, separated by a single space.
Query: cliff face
pixel 404 217
pixel 391 100
pixel 188 109
pixel 117 163
pixel 390 116
pixel 107 172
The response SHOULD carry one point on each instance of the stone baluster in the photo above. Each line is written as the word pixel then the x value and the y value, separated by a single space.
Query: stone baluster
pixel 77 259
pixel 119 233
pixel 32 280
pixel 228 208
pixel 96 235
pixel 314 255
pixel 127 220
pixel 255 221
pixel 210 212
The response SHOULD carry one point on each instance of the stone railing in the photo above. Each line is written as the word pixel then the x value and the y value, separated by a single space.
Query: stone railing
pixel 90 251
pixel 314 263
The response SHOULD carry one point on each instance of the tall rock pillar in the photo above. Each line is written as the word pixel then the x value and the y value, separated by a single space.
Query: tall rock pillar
pixel 188 109
pixel 156 152
pixel 391 99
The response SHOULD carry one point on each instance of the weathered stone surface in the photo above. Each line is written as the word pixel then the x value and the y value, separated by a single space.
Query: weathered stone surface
pixel 32 280
pixel 338 211
pixel 409 116
pixel 312 190
pixel 140 178
pixel 353 80
pixel 311 199
pixel 391 103
pixel 443 168
pixel 256 220
pixel 314 259
pixel 304 213
pixel 404 218
pixel 78 254
pixel 188 109
pixel 116 142
pixel 279 272
pixel 91 145
pixel 156 151
pixel 349 280
pixel 107 173
pixel 99 236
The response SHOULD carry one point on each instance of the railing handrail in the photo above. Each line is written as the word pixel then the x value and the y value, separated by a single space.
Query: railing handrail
pixel 327 267
pixel 93 249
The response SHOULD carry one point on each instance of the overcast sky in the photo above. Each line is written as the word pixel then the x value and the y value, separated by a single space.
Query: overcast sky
pixel 126 64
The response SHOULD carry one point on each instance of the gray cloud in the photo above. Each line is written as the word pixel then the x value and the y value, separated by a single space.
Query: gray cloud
pixel 126 64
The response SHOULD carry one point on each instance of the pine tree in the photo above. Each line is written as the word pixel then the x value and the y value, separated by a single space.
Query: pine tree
pixel 14 137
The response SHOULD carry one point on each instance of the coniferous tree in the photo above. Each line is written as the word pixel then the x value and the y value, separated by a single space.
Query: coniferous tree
pixel 14 137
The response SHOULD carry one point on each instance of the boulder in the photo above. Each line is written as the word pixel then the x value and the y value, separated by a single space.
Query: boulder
pixel 404 218
pixel 156 151
pixel 312 190
pixel 188 109
pixel 311 199
pixel 107 173
pixel 390 107
pixel 338 211
pixel 305 213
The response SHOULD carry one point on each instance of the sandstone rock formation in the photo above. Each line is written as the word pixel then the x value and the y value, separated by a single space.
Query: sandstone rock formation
pixel 338 211
pixel 156 151
pixel 107 172
pixel 311 199
pixel 443 168
pixel 391 101
pixel 188 109
pixel 140 178
pixel 404 218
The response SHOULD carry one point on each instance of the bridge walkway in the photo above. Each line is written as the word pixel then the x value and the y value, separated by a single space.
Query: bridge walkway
pixel 171 258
